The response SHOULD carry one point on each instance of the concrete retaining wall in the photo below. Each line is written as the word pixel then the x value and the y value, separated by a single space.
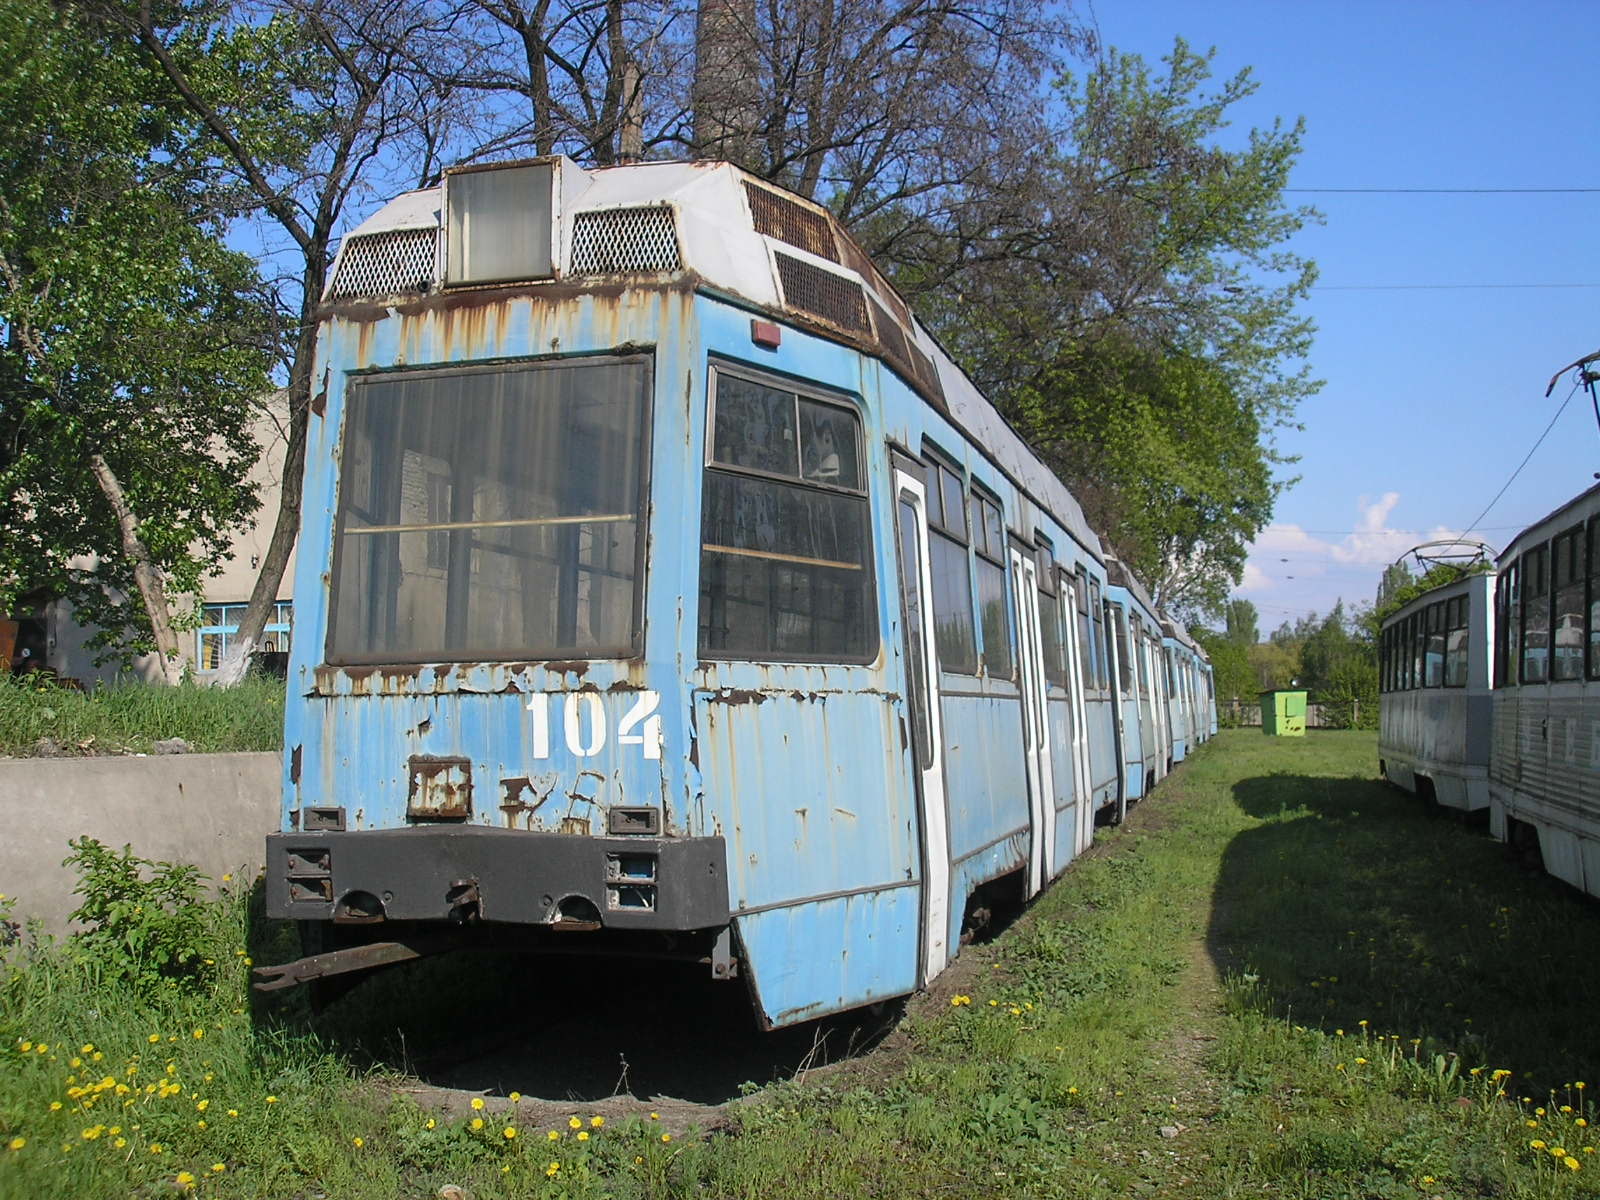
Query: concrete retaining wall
pixel 212 810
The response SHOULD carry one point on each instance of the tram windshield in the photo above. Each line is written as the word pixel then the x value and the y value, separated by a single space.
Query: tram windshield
pixel 491 514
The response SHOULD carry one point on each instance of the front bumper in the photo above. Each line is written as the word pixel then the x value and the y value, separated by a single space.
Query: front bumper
pixel 473 872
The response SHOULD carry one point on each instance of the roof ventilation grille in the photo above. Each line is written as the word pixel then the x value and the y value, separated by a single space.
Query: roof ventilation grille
pixel 617 241
pixel 390 263
pixel 822 294
pixel 780 217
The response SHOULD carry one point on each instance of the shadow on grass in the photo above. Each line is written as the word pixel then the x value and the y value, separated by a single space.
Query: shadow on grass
pixel 1353 902
pixel 560 1028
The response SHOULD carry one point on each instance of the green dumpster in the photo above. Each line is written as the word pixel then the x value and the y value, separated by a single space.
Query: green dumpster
pixel 1283 712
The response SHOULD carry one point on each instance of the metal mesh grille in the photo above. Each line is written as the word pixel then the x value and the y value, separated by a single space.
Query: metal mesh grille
pixel 617 240
pixel 823 294
pixel 890 334
pixel 780 217
pixel 385 264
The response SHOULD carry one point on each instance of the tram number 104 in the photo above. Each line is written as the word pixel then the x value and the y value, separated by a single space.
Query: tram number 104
pixel 586 726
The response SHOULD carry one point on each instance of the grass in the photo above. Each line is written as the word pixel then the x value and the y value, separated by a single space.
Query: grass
pixel 1278 979
pixel 36 714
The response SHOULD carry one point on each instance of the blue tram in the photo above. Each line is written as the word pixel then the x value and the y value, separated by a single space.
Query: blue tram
pixel 1134 620
pixel 665 590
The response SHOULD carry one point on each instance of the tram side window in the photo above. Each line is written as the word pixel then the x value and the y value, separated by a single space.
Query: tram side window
pixel 786 549
pixel 1508 624
pixel 1055 651
pixel 1080 593
pixel 491 514
pixel 989 541
pixel 1594 599
pixel 954 628
pixel 1433 654
pixel 1455 650
pixel 1567 641
pixel 1141 667
pixel 1536 615
pixel 1119 629
pixel 1098 619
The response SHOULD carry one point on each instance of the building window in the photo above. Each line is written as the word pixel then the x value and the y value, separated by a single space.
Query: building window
pixel 989 542
pixel 954 627
pixel 786 548
pixel 219 624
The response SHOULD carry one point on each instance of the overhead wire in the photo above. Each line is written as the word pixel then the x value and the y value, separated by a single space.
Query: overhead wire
pixel 1526 458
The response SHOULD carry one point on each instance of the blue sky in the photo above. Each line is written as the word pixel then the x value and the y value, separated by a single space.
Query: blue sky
pixel 1433 395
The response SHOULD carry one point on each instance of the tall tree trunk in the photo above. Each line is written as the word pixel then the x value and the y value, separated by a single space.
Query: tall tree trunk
pixel 145 573
pixel 264 596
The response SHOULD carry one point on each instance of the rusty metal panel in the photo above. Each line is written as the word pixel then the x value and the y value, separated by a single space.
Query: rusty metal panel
pixel 440 787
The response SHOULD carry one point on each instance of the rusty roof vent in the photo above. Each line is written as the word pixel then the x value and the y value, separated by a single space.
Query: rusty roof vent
pixel 616 241
pixel 903 354
pixel 391 263
pixel 822 294
pixel 785 219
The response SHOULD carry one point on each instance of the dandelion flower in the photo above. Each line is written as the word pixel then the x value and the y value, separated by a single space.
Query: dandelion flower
pixel 1581 1123
pixel 218 1168
pixel 1361 1062
pixel 272 1099
pixel 16 1143
pixel 184 1179
pixel 1537 1143
pixel 198 1034
pixel 153 1038
pixel 26 1047
pixel 554 1135
pixel 509 1133
pixel 477 1104
pixel 597 1121
pixel 574 1123
pixel 202 1105
pixel 121 1143
pixel 233 1112
pixel 666 1137
pixel 583 1135
pixel 552 1169
pixel 55 1106
pixel 515 1097
pixel 1571 1163
pixel 429 1123
pixel 156 1147
pixel 655 1116
pixel 477 1123
pixel 1072 1091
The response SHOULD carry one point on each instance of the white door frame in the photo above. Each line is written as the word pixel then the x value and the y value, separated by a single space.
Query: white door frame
pixel 1035 723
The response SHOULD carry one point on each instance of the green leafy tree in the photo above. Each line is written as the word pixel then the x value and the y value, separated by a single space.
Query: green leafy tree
pixel 1132 305
pixel 134 345
pixel 1241 622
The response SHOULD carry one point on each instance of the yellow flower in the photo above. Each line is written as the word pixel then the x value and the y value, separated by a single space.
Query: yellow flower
pixel 74 1062
pixel 552 1169
pixel 202 1106
pixel 655 1116
pixel 227 877
pixel 55 1106
pixel 574 1123
pixel 583 1136
pixel 597 1121
pixel 477 1123
pixel 666 1137
pixel 1581 1123
pixel 120 1143
pixel 554 1135
pixel 1338 1033
pixel 153 1038
pixel 16 1143
pixel 1072 1091
pixel 198 1034
pixel 156 1147
pixel 184 1179
pixel 509 1133
pixel 1362 1022
pixel 219 1168
pixel 430 1123
pixel 477 1103
pixel 1538 1112
pixel 1537 1143
pixel 233 1112
pixel 1531 1124
pixel 1572 1163
pixel 42 1048
pixel 357 1142
pixel 26 1047
pixel 272 1099
pixel 515 1097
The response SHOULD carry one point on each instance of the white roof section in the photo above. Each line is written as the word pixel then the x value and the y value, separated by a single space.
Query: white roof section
pixel 719 242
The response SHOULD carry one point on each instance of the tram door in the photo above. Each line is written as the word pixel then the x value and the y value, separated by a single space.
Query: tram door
pixel 1035 729
pixel 922 699
pixel 1083 833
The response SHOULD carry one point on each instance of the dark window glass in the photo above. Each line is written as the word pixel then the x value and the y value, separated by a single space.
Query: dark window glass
pixel 911 602
pixel 955 626
pixel 998 659
pixel 1051 644
pixel 1567 569
pixel 786 563
pixel 1456 663
pixel 1594 599
pixel 1119 629
pixel 1433 653
pixel 1536 615
pixel 952 605
pixel 1097 615
pixel 1080 598
pixel 491 515
pixel 1510 624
